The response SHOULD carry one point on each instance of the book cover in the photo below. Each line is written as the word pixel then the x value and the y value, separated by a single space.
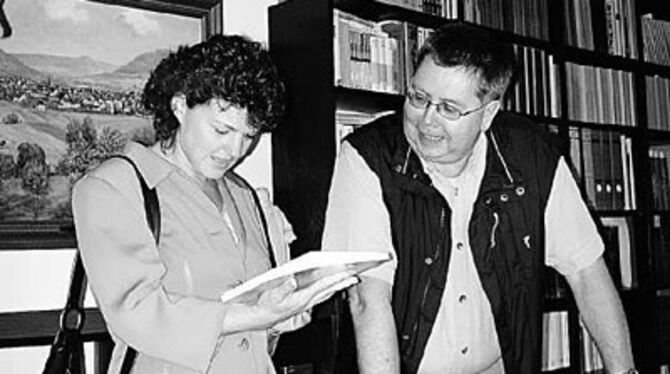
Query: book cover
pixel 307 269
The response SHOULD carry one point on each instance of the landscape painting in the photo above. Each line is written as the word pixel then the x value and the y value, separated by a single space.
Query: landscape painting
pixel 71 77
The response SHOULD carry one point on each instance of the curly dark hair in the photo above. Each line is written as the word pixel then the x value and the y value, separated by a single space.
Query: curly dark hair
pixel 461 44
pixel 228 67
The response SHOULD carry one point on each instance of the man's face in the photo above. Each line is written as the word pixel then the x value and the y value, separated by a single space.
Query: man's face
pixel 435 138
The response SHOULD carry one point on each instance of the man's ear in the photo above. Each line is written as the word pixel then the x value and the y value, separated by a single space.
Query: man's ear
pixel 490 112
pixel 178 106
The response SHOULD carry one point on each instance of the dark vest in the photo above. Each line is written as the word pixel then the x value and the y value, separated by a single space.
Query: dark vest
pixel 506 234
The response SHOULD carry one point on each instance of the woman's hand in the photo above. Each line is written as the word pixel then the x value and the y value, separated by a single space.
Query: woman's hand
pixel 283 302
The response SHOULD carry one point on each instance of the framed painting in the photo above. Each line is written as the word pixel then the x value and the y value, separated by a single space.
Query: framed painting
pixel 71 78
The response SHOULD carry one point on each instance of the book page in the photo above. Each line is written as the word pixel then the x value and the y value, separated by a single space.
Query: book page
pixel 306 269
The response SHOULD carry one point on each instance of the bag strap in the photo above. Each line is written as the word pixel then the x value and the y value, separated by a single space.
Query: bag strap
pixel 264 223
pixel 77 291
pixel 153 216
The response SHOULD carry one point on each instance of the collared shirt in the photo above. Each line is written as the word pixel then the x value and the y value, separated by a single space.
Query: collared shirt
pixel 165 301
pixel 357 219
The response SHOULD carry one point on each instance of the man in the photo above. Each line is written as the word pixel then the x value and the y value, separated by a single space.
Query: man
pixel 472 202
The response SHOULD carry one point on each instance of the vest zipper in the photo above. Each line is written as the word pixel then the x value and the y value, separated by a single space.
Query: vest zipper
pixel 415 326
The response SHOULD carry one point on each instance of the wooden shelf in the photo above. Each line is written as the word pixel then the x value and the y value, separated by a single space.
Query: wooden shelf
pixel 22 329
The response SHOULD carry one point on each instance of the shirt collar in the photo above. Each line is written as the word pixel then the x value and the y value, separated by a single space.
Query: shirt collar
pixel 153 167
pixel 475 164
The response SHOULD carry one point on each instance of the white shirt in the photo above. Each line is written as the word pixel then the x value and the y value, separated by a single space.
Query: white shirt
pixel 357 219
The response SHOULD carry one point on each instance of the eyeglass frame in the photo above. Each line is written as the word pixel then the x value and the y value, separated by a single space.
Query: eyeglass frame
pixel 411 96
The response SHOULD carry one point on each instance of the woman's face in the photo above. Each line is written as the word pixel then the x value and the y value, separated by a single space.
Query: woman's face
pixel 213 136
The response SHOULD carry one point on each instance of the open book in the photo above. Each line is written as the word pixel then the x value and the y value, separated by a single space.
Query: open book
pixel 307 269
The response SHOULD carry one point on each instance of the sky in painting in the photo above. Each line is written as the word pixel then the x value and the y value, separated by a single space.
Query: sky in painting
pixel 107 33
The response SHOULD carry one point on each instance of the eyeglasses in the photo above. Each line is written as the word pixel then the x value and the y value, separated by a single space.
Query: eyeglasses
pixel 422 101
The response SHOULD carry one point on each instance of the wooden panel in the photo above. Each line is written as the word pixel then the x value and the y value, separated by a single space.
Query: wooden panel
pixel 39 327
pixel 189 8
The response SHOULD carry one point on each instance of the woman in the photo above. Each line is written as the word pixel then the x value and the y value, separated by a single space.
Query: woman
pixel 210 103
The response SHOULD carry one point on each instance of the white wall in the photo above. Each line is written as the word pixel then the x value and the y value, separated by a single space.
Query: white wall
pixel 250 18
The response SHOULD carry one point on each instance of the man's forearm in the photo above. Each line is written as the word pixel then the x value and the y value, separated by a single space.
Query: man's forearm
pixel 374 326
pixel 603 315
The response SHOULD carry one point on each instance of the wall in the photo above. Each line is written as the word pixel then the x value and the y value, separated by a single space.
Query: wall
pixel 250 18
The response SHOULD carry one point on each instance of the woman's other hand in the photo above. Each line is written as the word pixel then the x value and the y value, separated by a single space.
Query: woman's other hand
pixel 283 302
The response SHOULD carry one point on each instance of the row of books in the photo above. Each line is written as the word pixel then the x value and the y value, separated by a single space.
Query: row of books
pixel 376 56
pixel 658 97
pixel 603 162
pixel 536 84
pixel 656 40
pixel 442 8
pixel 555 341
pixel 602 25
pixel 660 177
pixel 600 95
pixel 522 17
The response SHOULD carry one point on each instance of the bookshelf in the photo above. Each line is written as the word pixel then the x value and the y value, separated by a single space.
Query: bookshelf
pixel 587 74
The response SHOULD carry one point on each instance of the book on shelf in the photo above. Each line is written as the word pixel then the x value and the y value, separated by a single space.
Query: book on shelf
pixel 658 95
pixel 618 251
pixel 600 95
pixel 660 253
pixel 592 361
pixel 660 176
pixel 555 341
pixel 655 40
pixel 306 269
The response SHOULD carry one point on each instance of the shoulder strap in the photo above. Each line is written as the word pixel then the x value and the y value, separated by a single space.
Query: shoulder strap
pixel 266 229
pixel 75 299
pixel 153 216
pixel 151 205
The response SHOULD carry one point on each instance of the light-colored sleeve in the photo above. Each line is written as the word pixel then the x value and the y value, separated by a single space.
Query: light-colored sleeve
pixel 356 217
pixel 125 274
pixel 572 240
pixel 279 228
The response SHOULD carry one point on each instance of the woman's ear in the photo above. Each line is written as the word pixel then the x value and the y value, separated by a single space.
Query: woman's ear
pixel 490 112
pixel 178 106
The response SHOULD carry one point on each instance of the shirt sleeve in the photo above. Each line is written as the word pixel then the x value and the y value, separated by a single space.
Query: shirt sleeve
pixel 125 273
pixel 572 239
pixel 356 217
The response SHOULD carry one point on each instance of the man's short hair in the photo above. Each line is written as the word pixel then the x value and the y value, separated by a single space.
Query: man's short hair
pixel 473 48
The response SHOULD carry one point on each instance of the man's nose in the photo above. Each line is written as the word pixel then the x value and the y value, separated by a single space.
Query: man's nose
pixel 428 115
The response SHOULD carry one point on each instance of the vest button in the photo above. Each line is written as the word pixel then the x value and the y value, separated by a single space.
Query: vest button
pixel 428 261
pixel 520 191
pixel 398 168
pixel 504 197
pixel 405 337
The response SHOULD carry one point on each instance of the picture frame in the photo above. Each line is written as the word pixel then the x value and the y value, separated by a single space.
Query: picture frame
pixel 54 127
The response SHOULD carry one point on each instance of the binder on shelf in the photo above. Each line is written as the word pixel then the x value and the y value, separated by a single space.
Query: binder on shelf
pixel 619 254
pixel 555 341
